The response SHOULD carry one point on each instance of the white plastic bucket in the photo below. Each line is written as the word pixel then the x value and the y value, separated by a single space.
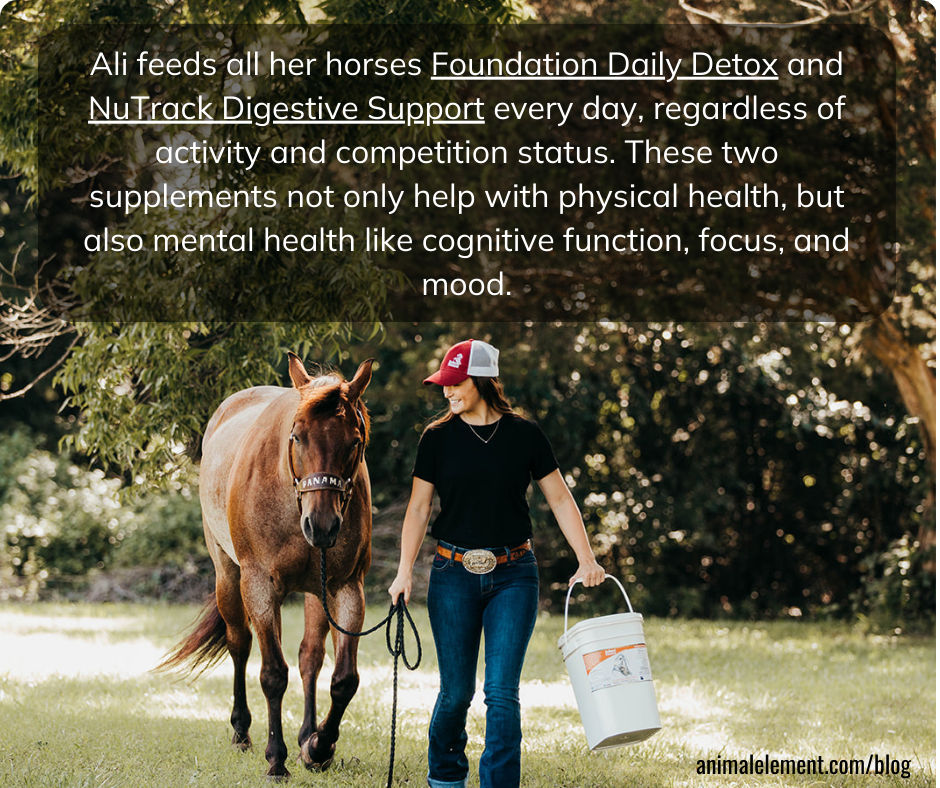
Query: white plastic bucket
pixel 610 671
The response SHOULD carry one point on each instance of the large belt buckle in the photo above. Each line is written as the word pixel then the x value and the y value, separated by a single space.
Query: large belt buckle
pixel 479 562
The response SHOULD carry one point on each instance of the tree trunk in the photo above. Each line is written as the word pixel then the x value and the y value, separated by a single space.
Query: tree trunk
pixel 917 383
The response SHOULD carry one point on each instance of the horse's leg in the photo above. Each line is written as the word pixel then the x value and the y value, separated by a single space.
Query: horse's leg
pixel 349 613
pixel 238 634
pixel 264 609
pixel 312 650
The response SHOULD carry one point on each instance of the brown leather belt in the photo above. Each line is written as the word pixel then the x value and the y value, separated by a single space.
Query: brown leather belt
pixel 485 560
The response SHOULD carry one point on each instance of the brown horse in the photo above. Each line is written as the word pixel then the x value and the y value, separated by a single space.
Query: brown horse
pixel 283 477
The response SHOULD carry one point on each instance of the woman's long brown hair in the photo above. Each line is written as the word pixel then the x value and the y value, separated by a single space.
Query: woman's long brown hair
pixel 492 393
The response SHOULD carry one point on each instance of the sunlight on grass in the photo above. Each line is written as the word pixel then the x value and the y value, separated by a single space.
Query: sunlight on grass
pixel 38 655
pixel 79 707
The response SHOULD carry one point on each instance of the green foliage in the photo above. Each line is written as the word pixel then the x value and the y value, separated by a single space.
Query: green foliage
pixel 166 532
pixel 147 390
pixel 742 471
pixel 429 12
pixel 722 471
pixel 16 446
pixel 62 521
pixel 59 519
pixel 897 592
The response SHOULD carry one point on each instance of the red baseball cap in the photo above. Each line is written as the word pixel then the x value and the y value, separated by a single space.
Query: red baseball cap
pixel 468 358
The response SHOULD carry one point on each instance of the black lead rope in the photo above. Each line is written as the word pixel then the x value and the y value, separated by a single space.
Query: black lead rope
pixel 399 611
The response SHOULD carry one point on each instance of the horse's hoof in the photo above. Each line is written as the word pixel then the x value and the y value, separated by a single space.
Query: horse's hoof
pixel 241 743
pixel 278 774
pixel 314 760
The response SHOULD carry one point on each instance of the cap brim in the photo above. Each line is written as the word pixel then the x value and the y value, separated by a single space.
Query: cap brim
pixel 446 377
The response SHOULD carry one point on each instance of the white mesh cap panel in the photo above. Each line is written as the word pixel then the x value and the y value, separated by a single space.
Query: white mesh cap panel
pixel 484 360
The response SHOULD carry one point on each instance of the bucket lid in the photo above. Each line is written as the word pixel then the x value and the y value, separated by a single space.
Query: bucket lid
pixel 606 625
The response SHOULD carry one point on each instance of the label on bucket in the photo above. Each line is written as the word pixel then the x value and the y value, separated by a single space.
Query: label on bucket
pixel 610 667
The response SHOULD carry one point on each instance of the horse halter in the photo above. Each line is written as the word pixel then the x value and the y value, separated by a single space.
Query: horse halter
pixel 326 481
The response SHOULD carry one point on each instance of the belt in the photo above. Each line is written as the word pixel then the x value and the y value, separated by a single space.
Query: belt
pixel 480 562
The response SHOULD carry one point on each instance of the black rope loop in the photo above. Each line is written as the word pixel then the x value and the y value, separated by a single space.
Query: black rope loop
pixel 399 611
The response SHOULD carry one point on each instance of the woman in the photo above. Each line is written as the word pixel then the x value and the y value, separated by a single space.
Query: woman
pixel 480 457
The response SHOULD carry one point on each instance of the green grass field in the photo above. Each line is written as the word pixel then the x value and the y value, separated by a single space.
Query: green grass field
pixel 78 708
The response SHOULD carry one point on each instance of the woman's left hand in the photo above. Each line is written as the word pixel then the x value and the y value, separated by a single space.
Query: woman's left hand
pixel 590 573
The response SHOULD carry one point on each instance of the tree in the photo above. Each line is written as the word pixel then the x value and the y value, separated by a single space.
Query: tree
pixel 146 387
pixel 898 337
pixel 723 470
pixel 901 338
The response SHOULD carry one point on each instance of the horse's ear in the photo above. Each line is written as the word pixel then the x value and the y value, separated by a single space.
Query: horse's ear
pixel 298 374
pixel 361 379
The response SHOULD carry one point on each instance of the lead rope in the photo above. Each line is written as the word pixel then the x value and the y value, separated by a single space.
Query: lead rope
pixel 399 610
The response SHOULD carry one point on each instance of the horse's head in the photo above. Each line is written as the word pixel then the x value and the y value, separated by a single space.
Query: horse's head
pixel 326 447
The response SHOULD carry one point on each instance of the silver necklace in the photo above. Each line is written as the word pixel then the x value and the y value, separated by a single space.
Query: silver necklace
pixel 492 434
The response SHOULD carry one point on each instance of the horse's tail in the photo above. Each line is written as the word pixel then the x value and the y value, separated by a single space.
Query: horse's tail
pixel 204 646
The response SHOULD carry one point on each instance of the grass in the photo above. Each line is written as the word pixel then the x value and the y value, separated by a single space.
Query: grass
pixel 78 708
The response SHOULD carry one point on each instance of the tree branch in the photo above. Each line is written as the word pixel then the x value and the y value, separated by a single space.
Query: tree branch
pixel 7 395
pixel 31 320
pixel 820 8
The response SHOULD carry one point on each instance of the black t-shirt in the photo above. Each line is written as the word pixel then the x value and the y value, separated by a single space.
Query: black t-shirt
pixel 482 486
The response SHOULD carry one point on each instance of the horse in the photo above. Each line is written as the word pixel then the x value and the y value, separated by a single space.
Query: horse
pixel 283 477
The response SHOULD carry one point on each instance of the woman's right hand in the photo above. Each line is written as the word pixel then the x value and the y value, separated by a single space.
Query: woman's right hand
pixel 401 586
pixel 413 529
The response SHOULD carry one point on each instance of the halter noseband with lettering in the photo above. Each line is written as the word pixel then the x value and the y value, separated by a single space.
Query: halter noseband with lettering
pixel 327 481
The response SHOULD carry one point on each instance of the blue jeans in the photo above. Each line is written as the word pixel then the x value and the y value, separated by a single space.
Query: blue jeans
pixel 502 606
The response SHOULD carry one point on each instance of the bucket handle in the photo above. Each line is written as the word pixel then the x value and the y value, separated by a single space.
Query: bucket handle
pixel 571 588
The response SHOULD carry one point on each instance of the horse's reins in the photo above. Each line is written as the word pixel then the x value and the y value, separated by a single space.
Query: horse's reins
pixel 400 610
pixel 328 481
